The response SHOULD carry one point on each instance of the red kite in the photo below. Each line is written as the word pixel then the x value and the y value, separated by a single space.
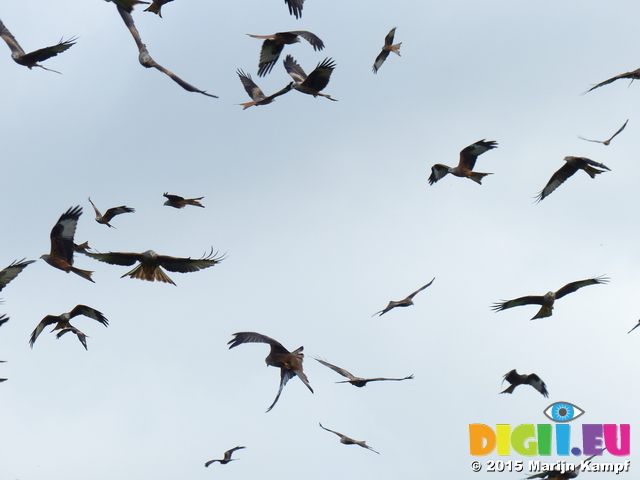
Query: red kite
pixel 468 157
pixel 315 82
pixel 388 47
pixel 403 303
pixel 274 44
pixel 256 94
pixel 350 441
pixel 127 5
pixel 295 7
pixel 156 6
pixel 289 363
pixel 227 457
pixel 532 379
pixel 635 75
pixel 176 201
pixel 560 474
pixel 12 271
pixel 547 301
pixel 356 381
pixel 150 266
pixel 572 165
pixel 109 214
pixel 606 142
pixel 62 323
pixel 31 59
pixel 62 246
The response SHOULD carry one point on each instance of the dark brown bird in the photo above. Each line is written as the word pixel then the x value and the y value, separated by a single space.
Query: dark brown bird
pixel 256 94
pixel 572 165
pixel 468 157
pixel 295 7
pixel 31 59
pixel 635 75
pixel 274 44
pixel 349 441
pixel 151 264
pixel 532 379
pixel 606 142
pixel 127 5
pixel 559 475
pixel 386 49
pixel 548 299
pixel 3 319
pixel 62 246
pixel 289 363
pixel 315 82
pixel 12 271
pixel 176 201
pixel 62 323
pixel 227 457
pixel 156 6
pixel 109 214
pixel 404 302
pixel 353 380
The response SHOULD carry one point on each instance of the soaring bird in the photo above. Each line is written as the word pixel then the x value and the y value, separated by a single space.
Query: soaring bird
pixel 145 59
pixel 606 142
pixel 315 81
pixel 12 271
pixel 289 363
pixel 559 474
pixel 176 201
pixel 349 441
pixel 150 266
pixel 404 302
pixel 62 323
pixel 31 59
pixel 572 165
pixel 468 157
pixel 127 5
pixel 256 94
pixel 635 75
pixel 546 301
pixel 62 246
pixel 227 457
pixel 109 214
pixel 274 44
pixel 156 6
pixel 386 49
pixel 295 7
pixel 515 379
pixel 353 380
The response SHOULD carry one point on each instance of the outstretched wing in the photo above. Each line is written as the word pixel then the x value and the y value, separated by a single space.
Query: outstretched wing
pixel 255 337
pixel 12 43
pixel 285 376
pixel 437 172
pixel 470 154
pixel 89 312
pixel 112 212
pixel 184 265
pixel 295 7
pixel 632 75
pixel 228 453
pixel 81 336
pixel 337 369
pixel 48 52
pixel 410 297
pixel 319 78
pixel 517 302
pixel 269 54
pixel 294 69
pixel 4 319
pixel 12 271
pixel 48 320
pixel 536 382
pixel 573 286
pixel 62 234
pixel 557 179
pixel 250 87
pixel 116 258
pixel 382 56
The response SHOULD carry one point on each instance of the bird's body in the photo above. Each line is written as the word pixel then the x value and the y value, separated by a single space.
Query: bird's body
pixel 313 83
pixel 515 379
pixel 176 201
pixel 468 157
pixel 405 302
pixel 258 98
pixel 349 441
pixel 357 381
pixel 635 75
pixel 387 48
pixel 62 323
pixel 608 141
pixel 274 44
pixel 227 457
pixel 571 166
pixel 109 214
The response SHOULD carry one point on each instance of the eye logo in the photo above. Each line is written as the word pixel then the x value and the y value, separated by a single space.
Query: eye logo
pixel 563 412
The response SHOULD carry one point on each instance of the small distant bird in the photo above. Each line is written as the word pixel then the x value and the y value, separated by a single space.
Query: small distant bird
pixel 256 94
pixel 274 44
pixel 635 75
pixel 62 246
pixel 3 379
pixel 353 380
pixel 559 474
pixel 227 457
pixel 176 201
pixel 547 301
pixel 606 142
pixel 156 6
pixel 349 441
pixel 109 214
pixel 315 82
pixel 289 363
pixel 468 157
pixel 572 165
pixel 62 323
pixel 127 5
pixel 31 59
pixel 12 271
pixel 635 326
pixel 151 264
pixel 3 319
pixel 295 7
pixel 388 47
pixel 532 379
pixel 403 303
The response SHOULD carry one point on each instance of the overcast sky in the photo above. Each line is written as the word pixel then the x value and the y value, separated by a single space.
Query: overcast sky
pixel 325 214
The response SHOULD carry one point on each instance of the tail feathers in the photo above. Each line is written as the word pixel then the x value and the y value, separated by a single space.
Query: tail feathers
pixel 510 388
pixel 154 8
pixel 149 274
pixel 83 273
pixel 194 201
pixel 247 105
pixel 83 247
pixel 592 171
pixel 477 177
pixel 543 312
pixel 396 48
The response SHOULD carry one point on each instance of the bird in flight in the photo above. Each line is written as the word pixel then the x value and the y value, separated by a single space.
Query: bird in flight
pixel 515 379
pixel 348 440
pixel 12 271
pixel 404 302
pixel 274 44
pixel 353 380
pixel 606 142
pixel 386 49
pixel 62 246
pixel 634 327
pixel 62 323
pixel 315 81
pixel 571 166
pixel 547 300
pixel 176 201
pixel 127 5
pixel 255 93
pixel 468 157
pixel 31 59
pixel 109 214
pixel 156 6
pixel 151 264
pixel 3 319
pixel 227 457
pixel 635 75
pixel 289 363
